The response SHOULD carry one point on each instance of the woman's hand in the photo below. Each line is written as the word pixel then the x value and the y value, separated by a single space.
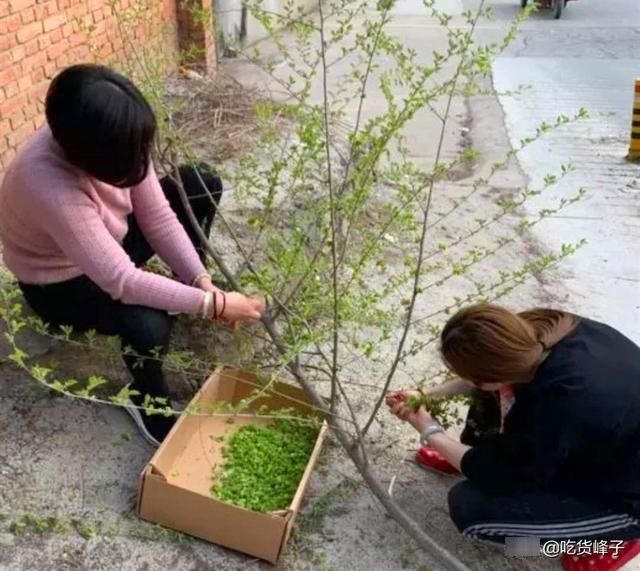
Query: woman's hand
pixel 397 403
pixel 419 419
pixel 402 395
pixel 239 307
pixel 205 284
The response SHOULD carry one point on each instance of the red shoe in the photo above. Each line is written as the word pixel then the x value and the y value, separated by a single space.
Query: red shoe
pixel 605 562
pixel 430 458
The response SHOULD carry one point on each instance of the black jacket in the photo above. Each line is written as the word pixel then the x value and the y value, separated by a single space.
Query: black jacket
pixel 575 428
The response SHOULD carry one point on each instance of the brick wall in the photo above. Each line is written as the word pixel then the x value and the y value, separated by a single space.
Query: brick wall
pixel 40 37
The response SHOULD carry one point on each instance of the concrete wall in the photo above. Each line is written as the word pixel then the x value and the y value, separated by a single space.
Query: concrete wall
pixel 236 26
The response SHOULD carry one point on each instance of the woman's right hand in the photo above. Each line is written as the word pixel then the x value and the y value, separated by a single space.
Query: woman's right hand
pixel 397 401
pixel 393 398
pixel 239 307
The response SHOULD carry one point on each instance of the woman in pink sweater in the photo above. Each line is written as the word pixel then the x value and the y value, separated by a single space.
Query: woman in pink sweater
pixel 81 210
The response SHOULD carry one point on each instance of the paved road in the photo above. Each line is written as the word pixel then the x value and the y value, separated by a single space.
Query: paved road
pixel 587 59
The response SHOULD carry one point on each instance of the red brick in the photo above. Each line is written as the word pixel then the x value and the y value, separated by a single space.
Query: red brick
pixel 38 122
pixel 47 9
pixel 37 75
pixel 43 43
pixel 31 110
pixel 38 92
pixel 5 60
pixel 102 46
pixel 99 30
pixel 8 75
pixel 51 8
pixel 98 16
pixel 31 48
pixel 5 128
pixel 13 23
pixel 77 39
pixel 10 106
pixel 86 23
pixel 11 89
pixel 24 83
pixel 50 69
pixel 29 32
pixel 17 120
pixel 53 22
pixel 56 50
pixel 64 60
pixel 4 10
pixel 28 15
pixel 33 62
pixel 62 4
pixel 56 35
pixel 4 145
pixel 76 11
pixel 79 53
pixel 18 53
pixel 18 5
pixel 5 42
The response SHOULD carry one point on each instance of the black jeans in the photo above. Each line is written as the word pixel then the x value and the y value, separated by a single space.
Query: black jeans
pixel 537 514
pixel 80 303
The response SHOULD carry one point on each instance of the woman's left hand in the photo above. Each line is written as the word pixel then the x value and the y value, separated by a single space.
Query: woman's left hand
pixel 419 419
pixel 205 284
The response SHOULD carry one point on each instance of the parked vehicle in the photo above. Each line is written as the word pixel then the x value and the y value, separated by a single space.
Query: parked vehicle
pixel 557 6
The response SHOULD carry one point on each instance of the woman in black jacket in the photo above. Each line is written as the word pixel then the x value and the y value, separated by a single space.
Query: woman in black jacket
pixel 564 461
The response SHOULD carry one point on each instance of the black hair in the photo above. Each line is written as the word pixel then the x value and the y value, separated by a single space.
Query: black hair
pixel 102 122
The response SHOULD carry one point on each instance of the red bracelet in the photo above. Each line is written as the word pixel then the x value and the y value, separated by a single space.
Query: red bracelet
pixel 224 303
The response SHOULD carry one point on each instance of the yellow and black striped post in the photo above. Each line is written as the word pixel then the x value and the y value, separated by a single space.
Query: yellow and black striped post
pixel 634 147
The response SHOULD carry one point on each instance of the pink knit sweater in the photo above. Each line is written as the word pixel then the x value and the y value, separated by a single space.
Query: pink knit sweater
pixel 56 223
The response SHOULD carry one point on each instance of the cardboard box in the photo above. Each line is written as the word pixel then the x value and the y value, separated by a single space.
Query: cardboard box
pixel 175 486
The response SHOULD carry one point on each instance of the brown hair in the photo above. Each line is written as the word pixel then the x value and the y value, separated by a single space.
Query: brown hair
pixel 488 343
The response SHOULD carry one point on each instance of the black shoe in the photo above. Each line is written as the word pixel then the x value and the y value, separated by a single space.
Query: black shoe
pixel 154 428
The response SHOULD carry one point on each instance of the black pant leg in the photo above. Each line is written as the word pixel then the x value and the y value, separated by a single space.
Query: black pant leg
pixel 81 304
pixel 135 244
pixel 78 302
pixel 536 514
pixel 145 334
pixel 203 201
